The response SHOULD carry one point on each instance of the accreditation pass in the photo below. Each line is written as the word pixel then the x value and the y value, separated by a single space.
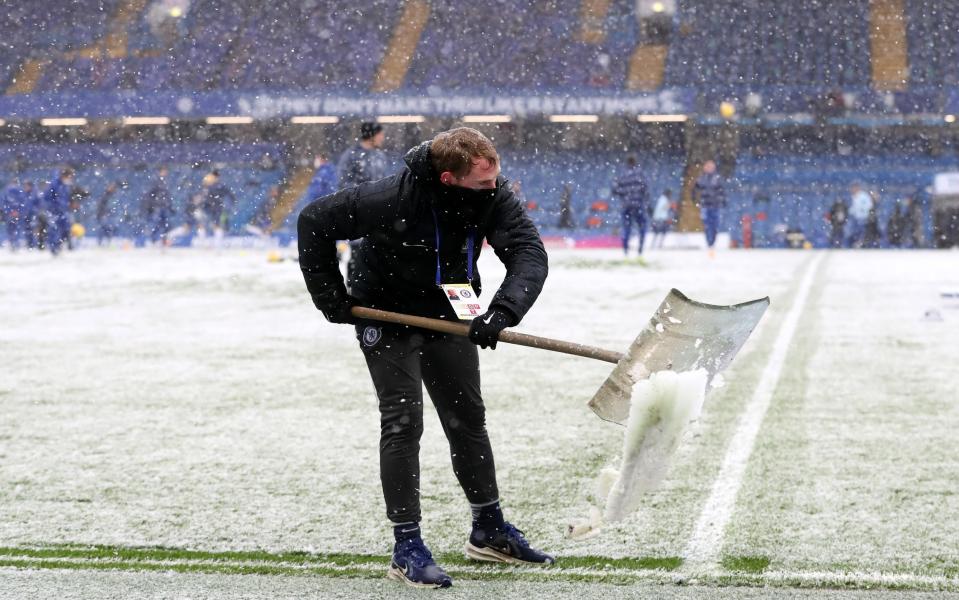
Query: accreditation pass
pixel 463 300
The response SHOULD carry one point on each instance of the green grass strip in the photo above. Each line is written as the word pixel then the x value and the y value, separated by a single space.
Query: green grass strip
pixel 741 570
pixel 158 553
pixel 504 573
pixel 745 564
pixel 593 569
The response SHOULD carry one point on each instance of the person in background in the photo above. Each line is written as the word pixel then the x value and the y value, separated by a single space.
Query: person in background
pixel 760 222
pixel 872 235
pixel 262 222
pixel 632 190
pixel 218 202
pixel 32 216
pixel 12 213
pixel 195 219
pixel 859 208
pixel 566 208
pixel 709 194
pixel 56 202
pixel 894 227
pixel 912 223
pixel 662 218
pixel 158 208
pixel 324 181
pixel 837 216
pixel 104 214
pixel 363 163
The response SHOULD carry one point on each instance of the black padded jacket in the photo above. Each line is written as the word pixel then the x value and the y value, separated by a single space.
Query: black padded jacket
pixel 400 218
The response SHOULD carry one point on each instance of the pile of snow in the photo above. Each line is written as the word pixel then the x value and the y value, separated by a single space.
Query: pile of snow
pixel 661 408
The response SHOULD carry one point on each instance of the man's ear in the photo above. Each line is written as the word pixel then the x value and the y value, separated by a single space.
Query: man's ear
pixel 446 178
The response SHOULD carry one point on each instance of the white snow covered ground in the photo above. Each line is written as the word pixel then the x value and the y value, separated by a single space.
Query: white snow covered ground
pixel 195 399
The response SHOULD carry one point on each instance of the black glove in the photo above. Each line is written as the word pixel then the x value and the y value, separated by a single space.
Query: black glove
pixel 336 306
pixel 485 329
pixel 341 312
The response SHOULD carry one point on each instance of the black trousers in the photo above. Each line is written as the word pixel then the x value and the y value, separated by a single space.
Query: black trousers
pixel 401 360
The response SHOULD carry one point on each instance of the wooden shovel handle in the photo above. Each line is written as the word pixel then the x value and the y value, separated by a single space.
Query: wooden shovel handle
pixel 510 337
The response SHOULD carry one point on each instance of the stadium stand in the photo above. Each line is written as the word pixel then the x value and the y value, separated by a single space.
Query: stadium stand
pixel 933 44
pixel 716 48
pixel 240 45
pixel 536 48
pixel 771 44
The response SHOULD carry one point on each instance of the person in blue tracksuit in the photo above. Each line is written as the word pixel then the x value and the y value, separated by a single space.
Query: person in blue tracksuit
pixel 709 195
pixel 56 202
pixel 324 181
pixel 632 190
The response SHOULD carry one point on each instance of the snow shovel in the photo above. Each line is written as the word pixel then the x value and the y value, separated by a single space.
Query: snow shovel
pixel 682 335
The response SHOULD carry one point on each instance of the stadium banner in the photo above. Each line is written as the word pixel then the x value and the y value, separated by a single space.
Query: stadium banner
pixel 770 100
pixel 270 105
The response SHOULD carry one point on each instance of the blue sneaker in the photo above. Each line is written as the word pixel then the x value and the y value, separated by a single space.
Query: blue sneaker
pixel 504 545
pixel 413 564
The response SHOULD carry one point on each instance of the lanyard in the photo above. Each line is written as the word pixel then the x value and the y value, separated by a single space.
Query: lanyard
pixel 470 237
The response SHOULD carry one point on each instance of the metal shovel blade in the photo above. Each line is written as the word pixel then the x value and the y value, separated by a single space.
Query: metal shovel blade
pixel 683 335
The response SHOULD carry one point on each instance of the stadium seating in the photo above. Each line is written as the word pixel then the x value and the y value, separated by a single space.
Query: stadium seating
pixel 534 47
pixel 717 48
pixel 933 44
pixel 771 44
pixel 243 45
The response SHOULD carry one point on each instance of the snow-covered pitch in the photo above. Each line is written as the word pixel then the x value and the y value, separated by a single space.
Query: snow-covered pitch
pixel 191 410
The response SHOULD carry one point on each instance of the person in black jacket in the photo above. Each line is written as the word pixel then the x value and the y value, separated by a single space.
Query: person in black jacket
pixel 158 209
pixel 422 232
pixel 632 190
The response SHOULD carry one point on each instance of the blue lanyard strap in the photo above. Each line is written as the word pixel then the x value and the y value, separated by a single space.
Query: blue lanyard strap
pixel 470 238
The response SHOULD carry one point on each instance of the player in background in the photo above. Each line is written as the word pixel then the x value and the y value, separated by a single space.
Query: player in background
pixel 709 194
pixel 324 180
pixel 663 217
pixel 422 233
pixel 632 190
pixel 218 202
pixel 158 208
pixel 56 203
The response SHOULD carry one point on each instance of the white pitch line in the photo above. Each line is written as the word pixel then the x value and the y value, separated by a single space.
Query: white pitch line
pixel 706 542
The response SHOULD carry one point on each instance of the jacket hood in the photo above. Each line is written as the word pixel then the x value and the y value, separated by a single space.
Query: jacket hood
pixel 418 161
